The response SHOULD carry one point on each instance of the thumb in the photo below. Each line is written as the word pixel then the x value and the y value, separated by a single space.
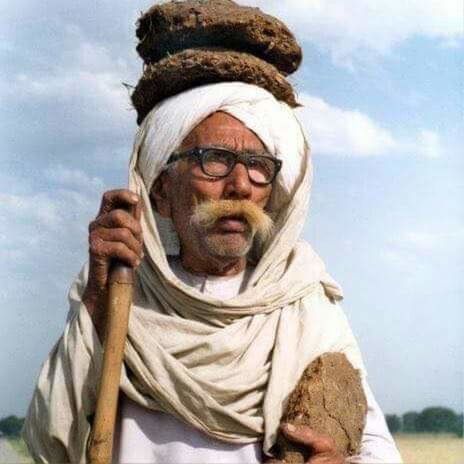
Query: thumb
pixel 319 442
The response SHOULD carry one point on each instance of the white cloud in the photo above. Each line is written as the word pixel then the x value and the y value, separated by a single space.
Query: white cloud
pixel 420 255
pixel 348 27
pixel 424 241
pixel 97 58
pixel 400 260
pixel 47 227
pixel 86 82
pixel 418 250
pixel 429 144
pixel 38 208
pixel 99 95
pixel 337 131
pixel 347 132
pixel 37 220
pixel 452 43
pixel 74 178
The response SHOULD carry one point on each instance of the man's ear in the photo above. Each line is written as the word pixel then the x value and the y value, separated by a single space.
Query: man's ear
pixel 159 195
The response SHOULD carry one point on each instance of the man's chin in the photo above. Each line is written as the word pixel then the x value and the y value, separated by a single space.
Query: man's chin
pixel 227 245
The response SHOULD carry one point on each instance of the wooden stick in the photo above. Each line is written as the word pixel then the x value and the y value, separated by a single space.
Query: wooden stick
pixel 100 445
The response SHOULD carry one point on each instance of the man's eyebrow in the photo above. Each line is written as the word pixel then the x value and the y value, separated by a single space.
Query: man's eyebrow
pixel 227 147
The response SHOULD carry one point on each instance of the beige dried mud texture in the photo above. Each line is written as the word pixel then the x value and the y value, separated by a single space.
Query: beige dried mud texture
pixel 197 42
pixel 330 399
pixel 195 67
pixel 174 26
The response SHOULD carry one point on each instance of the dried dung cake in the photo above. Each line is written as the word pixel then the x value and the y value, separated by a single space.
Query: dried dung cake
pixel 196 67
pixel 186 44
pixel 175 26
pixel 330 399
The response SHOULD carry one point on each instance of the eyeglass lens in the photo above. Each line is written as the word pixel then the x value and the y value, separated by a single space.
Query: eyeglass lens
pixel 218 163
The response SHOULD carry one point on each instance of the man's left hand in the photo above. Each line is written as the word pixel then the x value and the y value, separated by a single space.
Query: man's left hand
pixel 322 447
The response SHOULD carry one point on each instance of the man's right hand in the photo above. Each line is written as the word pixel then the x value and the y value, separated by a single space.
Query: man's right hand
pixel 114 234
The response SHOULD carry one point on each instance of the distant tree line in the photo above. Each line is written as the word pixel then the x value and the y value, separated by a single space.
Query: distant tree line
pixel 432 420
pixel 11 426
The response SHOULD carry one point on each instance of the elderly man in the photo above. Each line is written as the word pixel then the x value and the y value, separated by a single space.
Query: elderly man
pixel 230 304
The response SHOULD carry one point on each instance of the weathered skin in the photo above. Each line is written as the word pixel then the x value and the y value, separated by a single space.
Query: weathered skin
pixel 322 447
pixel 175 191
pixel 116 234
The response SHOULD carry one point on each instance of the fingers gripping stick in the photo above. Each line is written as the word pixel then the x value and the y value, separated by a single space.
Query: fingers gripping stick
pixel 120 282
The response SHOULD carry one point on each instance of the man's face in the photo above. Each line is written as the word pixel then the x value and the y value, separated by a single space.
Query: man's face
pixel 185 185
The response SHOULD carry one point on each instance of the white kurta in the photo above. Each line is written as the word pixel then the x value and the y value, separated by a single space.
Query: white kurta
pixel 145 436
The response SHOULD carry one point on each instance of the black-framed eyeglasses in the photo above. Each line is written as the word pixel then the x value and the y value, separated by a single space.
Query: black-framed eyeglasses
pixel 219 162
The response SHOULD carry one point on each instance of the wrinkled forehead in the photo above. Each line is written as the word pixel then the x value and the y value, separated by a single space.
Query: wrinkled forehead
pixel 221 129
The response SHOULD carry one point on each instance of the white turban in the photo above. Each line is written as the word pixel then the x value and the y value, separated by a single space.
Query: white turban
pixel 274 122
pixel 224 366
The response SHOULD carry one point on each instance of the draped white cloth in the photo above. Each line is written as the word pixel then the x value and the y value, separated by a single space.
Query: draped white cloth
pixel 224 366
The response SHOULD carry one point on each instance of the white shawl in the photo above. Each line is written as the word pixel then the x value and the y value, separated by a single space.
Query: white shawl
pixel 225 367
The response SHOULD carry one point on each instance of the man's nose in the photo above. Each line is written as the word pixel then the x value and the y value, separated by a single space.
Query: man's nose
pixel 238 183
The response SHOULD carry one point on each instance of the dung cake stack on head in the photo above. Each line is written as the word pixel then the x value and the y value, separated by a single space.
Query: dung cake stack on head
pixel 185 44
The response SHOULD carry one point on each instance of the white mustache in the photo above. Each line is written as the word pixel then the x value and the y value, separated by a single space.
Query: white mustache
pixel 207 213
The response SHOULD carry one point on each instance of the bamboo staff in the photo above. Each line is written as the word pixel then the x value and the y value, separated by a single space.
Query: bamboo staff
pixel 100 446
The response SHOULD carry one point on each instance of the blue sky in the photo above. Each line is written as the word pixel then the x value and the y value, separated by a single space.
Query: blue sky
pixel 381 85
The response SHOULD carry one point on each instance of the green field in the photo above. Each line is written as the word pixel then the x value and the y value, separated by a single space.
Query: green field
pixel 424 448
pixel 20 447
